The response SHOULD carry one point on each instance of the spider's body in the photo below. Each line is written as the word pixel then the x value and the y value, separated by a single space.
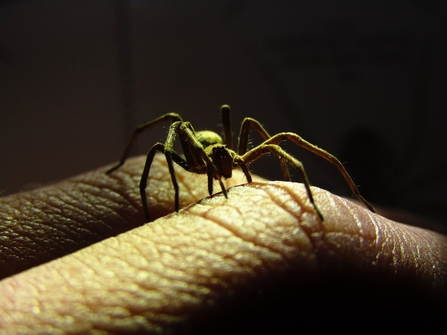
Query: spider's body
pixel 206 152
pixel 214 148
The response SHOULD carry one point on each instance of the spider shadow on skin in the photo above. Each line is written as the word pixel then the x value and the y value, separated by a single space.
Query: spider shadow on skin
pixel 205 152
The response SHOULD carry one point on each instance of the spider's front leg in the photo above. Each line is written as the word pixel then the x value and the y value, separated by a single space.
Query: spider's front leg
pixel 143 181
pixel 138 131
pixel 167 149
pixel 171 156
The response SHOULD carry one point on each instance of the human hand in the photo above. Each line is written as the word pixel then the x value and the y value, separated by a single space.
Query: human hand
pixel 259 261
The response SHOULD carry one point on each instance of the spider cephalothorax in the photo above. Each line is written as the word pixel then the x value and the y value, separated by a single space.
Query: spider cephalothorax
pixel 206 152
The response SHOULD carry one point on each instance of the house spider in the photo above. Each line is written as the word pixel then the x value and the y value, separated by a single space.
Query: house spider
pixel 206 152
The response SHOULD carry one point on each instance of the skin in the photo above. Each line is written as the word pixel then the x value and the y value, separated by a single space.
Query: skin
pixel 258 262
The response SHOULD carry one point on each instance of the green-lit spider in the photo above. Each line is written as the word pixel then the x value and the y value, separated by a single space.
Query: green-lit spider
pixel 206 152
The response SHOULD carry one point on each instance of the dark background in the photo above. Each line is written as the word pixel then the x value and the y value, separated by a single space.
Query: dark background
pixel 363 79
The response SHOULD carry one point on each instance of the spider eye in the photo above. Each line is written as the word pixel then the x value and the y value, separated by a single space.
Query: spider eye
pixel 223 160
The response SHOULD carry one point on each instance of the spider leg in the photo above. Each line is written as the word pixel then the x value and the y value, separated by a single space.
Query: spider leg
pixel 143 181
pixel 138 131
pixel 265 148
pixel 239 161
pixel 226 123
pixel 211 175
pixel 322 153
pixel 243 141
pixel 168 149
pixel 210 181
pixel 170 156
pixel 228 140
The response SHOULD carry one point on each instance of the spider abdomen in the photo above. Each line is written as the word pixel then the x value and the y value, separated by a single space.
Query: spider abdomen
pixel 208 138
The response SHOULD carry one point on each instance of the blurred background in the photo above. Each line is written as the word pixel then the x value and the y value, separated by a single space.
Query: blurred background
pixel 364 80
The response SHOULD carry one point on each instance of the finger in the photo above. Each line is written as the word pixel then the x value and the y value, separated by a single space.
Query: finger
pixel 46 223
pixel 224 261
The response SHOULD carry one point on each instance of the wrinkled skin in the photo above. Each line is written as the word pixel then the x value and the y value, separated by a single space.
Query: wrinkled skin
pixel 258 262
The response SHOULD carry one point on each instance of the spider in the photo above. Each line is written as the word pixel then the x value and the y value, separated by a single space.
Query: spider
pixel 206 152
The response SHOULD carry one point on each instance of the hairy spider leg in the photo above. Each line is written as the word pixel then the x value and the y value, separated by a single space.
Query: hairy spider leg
pixel 159 146
pixel 138 131
pixel 276 139
pixel 225 111
pixel 243 141
pixel 265 148
pixel 228 141
pixel 238 161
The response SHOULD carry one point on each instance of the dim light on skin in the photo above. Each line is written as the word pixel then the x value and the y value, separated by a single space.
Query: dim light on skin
pixel 258 256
